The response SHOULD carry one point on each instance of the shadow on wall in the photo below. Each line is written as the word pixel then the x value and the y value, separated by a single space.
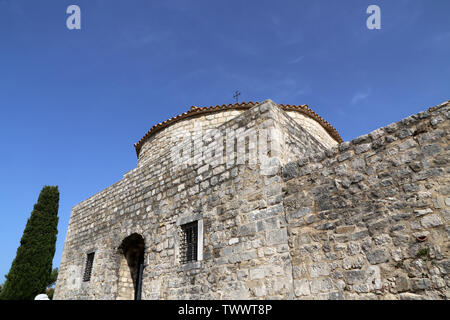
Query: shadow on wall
pixel 131 267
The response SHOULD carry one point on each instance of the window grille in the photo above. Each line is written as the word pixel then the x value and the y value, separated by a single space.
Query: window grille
pixel 88 268
pixel 189 237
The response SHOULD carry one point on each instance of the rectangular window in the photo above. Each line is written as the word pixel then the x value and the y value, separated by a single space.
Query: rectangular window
pixel 189 240
pixel 88 268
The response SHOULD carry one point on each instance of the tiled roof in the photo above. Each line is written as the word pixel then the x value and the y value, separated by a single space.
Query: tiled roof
pixel 193 111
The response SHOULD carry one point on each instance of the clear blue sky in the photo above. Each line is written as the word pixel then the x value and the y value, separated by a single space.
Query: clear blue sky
pixel 72 103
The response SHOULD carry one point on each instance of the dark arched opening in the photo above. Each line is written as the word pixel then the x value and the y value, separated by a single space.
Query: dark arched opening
pixel 131 267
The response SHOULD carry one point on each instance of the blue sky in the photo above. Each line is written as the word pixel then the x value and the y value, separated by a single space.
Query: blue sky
pixel 73 102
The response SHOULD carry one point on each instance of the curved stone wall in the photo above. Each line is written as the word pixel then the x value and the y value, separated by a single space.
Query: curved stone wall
pixel 314 128
pixel 162 141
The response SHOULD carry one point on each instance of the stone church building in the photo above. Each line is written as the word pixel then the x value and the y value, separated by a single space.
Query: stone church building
pixel 265 201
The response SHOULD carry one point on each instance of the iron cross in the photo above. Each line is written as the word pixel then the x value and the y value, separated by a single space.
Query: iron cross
pixel 236 96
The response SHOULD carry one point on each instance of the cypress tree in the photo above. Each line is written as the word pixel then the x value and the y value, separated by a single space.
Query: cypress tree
pixel 31 269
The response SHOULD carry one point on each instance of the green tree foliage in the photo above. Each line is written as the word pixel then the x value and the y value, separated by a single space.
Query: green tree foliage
pixel 53 277
pixel 51 282
pixel 31 270
pixel 49 292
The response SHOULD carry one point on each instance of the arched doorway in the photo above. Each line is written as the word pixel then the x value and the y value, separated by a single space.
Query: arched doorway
pixel 131 267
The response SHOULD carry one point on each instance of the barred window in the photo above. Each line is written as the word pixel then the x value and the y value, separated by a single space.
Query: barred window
pixel 189 240
pixel 88 268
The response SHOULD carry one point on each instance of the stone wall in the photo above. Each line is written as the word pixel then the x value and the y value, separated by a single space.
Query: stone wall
pixel 369 219
pixel 298 138
pixel 282 215
pixel 162 141
pixel 245 251
pixel 313 128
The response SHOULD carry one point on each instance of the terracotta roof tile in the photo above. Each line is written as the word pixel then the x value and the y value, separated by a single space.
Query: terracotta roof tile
pixel 238 106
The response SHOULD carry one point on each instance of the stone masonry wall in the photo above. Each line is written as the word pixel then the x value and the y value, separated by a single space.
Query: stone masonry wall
pixel 245 243
pixel 161 142
pixel 298 138
pixel 313 128
pixel 369 219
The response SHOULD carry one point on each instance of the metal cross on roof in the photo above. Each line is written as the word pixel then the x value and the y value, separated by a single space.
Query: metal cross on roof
pixel 236 95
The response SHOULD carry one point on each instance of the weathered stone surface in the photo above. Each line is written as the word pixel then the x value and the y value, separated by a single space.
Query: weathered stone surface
pixel 421 212
pixel 345 229
pixel 411 296
pixel 301 288
pixel 256 274
pixel 321 285
pixel 290 171
pixel 318 270
pixel 421 284
pixel 354 276
pixel 402 284
pixel 365 219
pixel 431 221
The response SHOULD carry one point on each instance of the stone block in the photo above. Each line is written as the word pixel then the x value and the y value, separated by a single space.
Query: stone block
pixel 377 256
pixel 345 229
pixel 354 277
pixel 302 288
pixel 318 270
pixel 431 221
